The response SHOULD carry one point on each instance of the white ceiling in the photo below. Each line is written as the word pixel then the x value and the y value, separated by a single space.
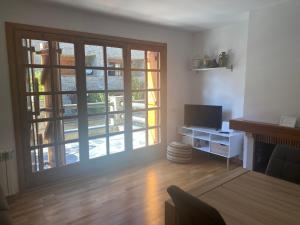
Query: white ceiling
pixel 187 14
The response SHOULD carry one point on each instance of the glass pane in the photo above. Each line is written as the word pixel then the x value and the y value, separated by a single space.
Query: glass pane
pixel 116 122
pixel 115 80
pixel 115 101
pixel 96 103
pixel 94 56
pixel 153 99
pixel 153 118
pixel 43 158
pixel 42 133
pixel 97 125
pixel 138 120
pixel 153 136
pixel 39 106
pixel 66 80
pixel 65 54
pixel 153 60
pixel 153 80
pixel 138 100
pixel 97 147
pixel 94 80
pixel 139 139
pixel 114 57
pixel 137 80
pixel 67 104
pixel 71 151
pixel 137 59
pixel 116 143
pixel 38 80
pixel 37 51
pixel 68 129
pixel 49 157
pixel 35 165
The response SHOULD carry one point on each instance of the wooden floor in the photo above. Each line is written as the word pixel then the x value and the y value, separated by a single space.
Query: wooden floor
pixel 133 196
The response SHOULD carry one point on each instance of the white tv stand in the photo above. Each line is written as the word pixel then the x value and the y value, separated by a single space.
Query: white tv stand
pixel 227 145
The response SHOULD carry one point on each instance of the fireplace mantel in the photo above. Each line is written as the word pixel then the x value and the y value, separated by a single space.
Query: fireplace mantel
pixel 265 129
pixel 260 132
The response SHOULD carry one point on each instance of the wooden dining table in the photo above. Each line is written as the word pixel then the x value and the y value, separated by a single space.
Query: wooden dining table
pixel 246 198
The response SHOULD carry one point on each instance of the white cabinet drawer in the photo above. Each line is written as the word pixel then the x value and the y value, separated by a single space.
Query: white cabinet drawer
pixel 219 149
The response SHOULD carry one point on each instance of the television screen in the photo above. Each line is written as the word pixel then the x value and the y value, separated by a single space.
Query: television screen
pixel 209 116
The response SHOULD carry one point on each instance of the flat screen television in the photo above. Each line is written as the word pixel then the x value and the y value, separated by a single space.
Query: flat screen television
pixel 209 116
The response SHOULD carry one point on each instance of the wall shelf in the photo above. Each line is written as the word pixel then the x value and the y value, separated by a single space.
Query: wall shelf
pixel 213 68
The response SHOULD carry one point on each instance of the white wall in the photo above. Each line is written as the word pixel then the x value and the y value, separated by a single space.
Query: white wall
pixel 219 87
pixel 27 12
pixel 273 67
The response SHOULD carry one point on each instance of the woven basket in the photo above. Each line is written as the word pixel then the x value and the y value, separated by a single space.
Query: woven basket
pixel 179 153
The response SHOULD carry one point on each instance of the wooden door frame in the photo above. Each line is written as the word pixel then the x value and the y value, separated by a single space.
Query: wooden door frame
pixel 11 31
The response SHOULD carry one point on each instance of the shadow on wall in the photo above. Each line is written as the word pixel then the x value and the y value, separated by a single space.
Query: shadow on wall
pixel 231 56
pixel 227 115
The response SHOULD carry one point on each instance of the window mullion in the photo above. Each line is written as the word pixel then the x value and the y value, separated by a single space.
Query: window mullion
pixel 55 107
pixel 146 93
pixel 127 99
pixel 106 99
pixel 82 102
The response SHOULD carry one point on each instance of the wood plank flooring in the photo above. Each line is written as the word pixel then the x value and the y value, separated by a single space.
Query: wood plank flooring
pixel 134 196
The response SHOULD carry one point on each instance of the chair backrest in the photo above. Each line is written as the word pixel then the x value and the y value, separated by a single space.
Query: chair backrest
pixel 285 163
pixel 192 211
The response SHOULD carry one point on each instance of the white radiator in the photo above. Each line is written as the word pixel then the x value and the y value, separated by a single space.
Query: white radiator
pixel 8 172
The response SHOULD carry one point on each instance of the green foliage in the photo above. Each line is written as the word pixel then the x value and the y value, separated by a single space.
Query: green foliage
pixel 38 75
pixel 96 98
pixel 136 85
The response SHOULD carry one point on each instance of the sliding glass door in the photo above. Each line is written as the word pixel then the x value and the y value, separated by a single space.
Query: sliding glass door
pixel 83 99
pixel 51 94
pixel 145 92
pixel 104 78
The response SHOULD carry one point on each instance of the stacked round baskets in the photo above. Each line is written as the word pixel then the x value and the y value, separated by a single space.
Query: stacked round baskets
pixel 179 152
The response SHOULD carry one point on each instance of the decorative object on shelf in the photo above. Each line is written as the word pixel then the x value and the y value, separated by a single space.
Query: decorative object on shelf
pixel 225 127
pixel 197 63
pixel 223 59
pixel 214 63
pixel 179 152
pixel 206 61
pixel 288 121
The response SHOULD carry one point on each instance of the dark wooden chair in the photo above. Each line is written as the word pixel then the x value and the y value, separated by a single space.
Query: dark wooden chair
pixel 192 211
pixel 284 163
